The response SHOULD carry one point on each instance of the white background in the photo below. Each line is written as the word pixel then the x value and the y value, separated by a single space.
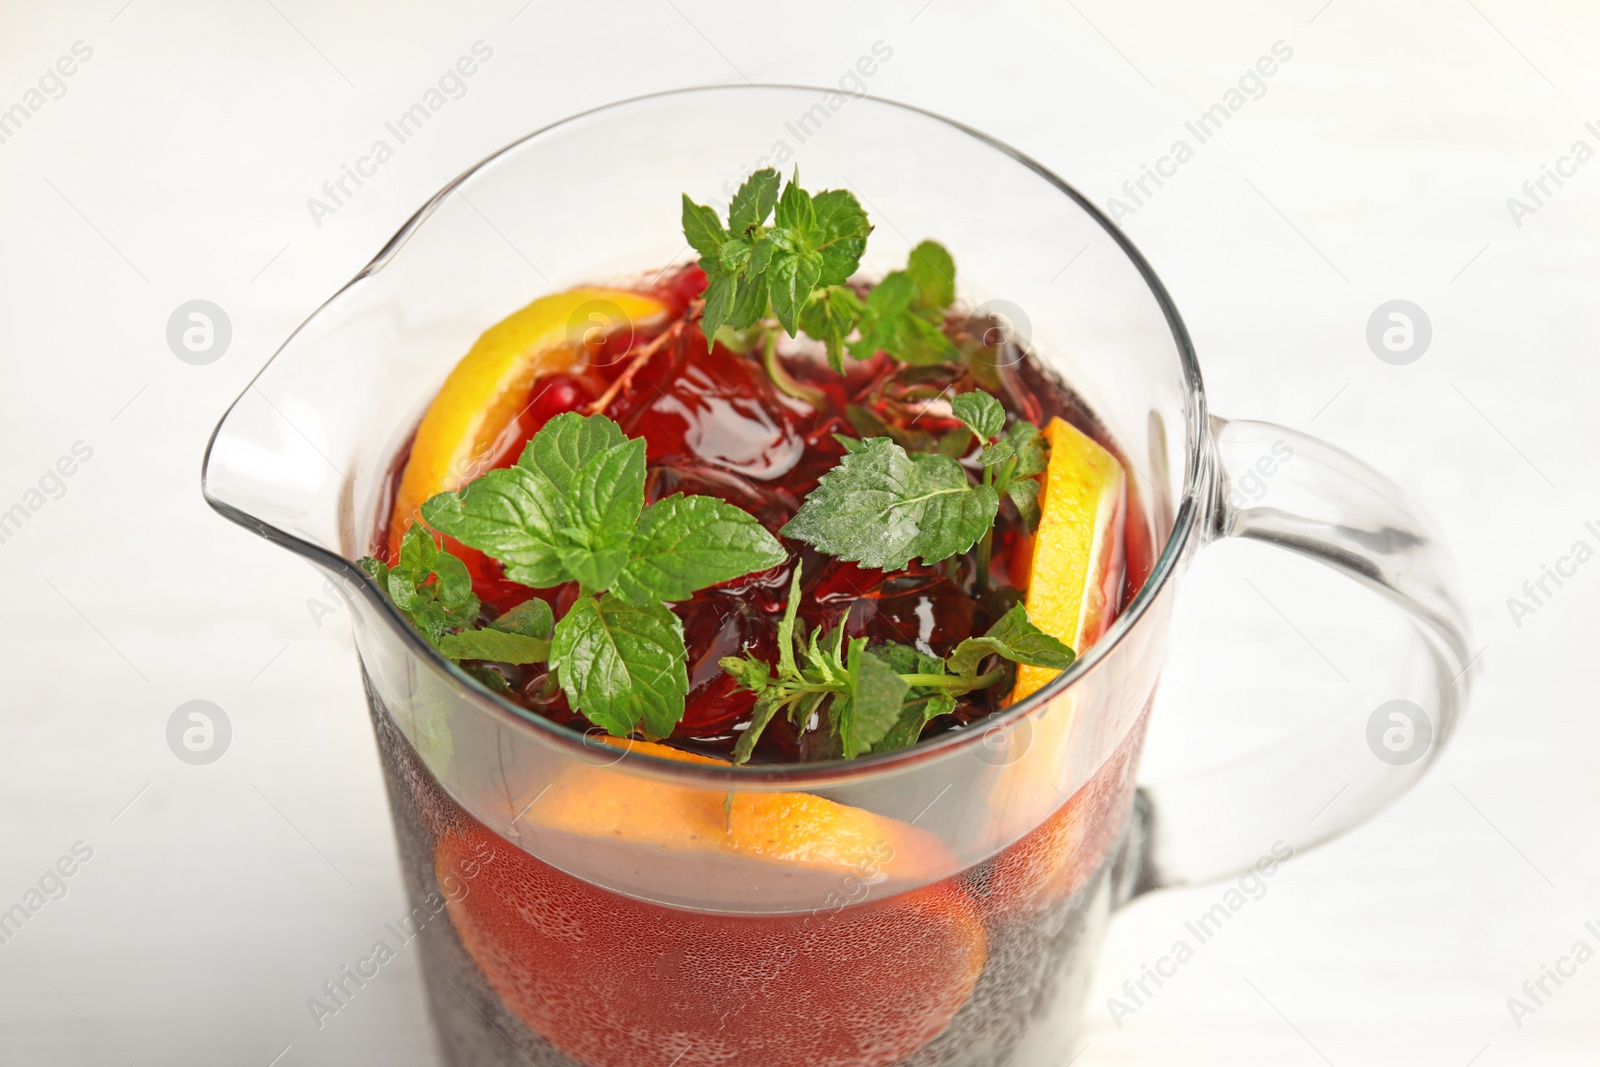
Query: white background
pixel 1376 166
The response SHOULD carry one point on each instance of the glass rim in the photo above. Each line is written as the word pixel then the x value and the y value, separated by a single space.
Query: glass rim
pixel 795 776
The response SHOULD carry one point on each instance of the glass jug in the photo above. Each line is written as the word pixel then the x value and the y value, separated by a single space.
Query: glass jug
pixel 969 937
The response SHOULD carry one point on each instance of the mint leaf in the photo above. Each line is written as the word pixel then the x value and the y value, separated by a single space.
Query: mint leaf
pixel 751 267
pixel 567 444
pixel 452 585
pixel 1016 458
pixel 840 234
pixel 996 454
pixel 622 665
pixel 735 256
pixel 829 316
pixel 790 278
pixel 982 413
pixel 881 507
pixel 719 297
pixel 565 512
pixel 1024 493
pixel 429 586
pixel 1029 445
pixel 867 424
pixel 753 202
pixel 877 699
pixel 786 664
pixel 600 511
pixel 531 618
pixel 871 702
pixel 417 553
pixel 748 671
pixel 749 301
pixel 795 214
pixel 1015 639
pixel 489 678
pixel 889 323
pixel 767 705
pixel 922 706
pixel 686 543
pixel 509 514
pixel 495 645
pixel 701 229
pixel 931 267
pixel 954 444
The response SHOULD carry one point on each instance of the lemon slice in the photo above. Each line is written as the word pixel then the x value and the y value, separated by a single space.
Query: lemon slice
pixel 1077 554
pixel 1078 544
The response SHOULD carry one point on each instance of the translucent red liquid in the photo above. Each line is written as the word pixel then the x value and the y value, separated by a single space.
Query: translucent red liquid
pixel 527 964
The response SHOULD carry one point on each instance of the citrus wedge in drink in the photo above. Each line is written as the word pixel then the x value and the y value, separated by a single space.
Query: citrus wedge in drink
pixel 1077 551
pixel 1073 580
pixel 496 379
pixel 612 981
pixel 770 836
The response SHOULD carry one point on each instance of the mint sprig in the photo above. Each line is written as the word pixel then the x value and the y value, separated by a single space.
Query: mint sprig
pixel 1011 459
pixel 429 586
pixel 572 510
pixel 796 271
pixel 752 267
pixel 432 588
pixel 883 506
pixel 879 698
pixel 904 313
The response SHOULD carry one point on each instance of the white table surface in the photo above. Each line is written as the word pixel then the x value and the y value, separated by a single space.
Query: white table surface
pixel 176 165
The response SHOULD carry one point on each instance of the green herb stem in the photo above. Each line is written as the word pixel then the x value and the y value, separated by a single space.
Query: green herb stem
pixel 783 379
pixel 985 553
pixel 959 684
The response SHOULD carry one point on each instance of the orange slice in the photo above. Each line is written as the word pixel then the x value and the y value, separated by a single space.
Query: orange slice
pixel 1077 552
pixel 791 830
pixel 611 981
pixel 1077 566
pixel 493 381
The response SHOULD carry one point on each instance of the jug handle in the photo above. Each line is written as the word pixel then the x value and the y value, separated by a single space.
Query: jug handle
pixel 1339 771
